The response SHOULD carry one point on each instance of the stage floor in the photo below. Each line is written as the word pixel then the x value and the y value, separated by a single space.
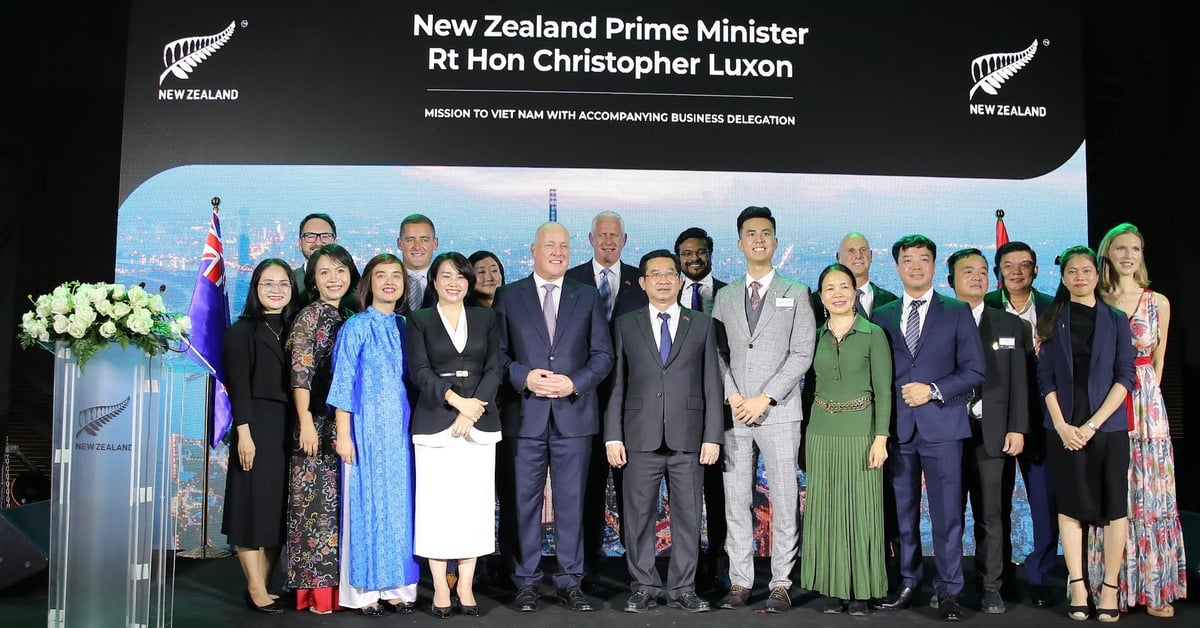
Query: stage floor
pixel 209 593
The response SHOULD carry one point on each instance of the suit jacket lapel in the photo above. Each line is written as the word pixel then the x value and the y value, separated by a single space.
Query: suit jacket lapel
pixel 566 309
pixel 271 341
pixel 776 290
pixel 533 307
pixel 738 287
pixel 931 317
pixel 685 324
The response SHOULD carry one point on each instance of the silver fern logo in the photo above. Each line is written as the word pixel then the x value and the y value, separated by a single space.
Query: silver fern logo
pixel 92 420
pixel 181 56
pixel 990 71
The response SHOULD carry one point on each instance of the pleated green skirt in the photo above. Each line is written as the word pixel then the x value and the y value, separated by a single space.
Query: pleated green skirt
pixel 842 553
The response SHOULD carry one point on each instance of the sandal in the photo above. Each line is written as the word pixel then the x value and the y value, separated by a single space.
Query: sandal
pixel 1166 610
pixel 1078 613
pixel 1108 615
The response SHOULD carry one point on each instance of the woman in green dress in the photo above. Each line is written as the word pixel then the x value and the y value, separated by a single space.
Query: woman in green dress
pixel 842 553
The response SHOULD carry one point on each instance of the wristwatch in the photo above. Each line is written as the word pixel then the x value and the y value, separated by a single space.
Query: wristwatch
pixel 1093 426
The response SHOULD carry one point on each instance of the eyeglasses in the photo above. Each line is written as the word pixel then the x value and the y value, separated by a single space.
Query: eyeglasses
pixel 272 286
pixel 686 254
pixel 312 236
pixel 656 276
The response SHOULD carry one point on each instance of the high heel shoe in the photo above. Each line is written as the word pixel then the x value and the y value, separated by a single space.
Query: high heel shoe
pixel 441 612
pixel 274 608
pixel 1078 613
pixel 468 610
pixel 1108 615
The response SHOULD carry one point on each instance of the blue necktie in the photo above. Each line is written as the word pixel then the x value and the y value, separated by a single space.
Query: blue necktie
pixel 606 292
pixel 664 337
pixel 697 304
pixel 912 331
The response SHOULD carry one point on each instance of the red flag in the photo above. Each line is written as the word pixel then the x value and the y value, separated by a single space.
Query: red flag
pixel 1001 231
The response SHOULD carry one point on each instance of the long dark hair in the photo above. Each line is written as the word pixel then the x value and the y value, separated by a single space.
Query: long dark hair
pixel 364 286
pixel 253 310
pixel 1048 322
pixel 475 298
pixel 349 302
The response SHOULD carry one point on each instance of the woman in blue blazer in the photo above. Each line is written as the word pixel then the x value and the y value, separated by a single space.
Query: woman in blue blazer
pixel 1085 369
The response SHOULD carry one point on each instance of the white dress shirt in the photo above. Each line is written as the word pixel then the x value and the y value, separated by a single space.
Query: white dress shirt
pixel 764 282
pixel 457 332
pixel 541 291
pixel 866 296
pixel 923 309
pixel 656 323
pixel 706 292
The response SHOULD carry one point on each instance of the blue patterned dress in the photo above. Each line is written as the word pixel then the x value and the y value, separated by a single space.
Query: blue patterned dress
pixel 368 382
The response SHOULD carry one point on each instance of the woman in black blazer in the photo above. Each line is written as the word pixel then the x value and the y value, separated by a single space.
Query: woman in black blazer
pixel 454 363
pixel 1085 369
pixel 256 376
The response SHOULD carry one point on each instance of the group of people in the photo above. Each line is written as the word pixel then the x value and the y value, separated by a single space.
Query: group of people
pixel 377 419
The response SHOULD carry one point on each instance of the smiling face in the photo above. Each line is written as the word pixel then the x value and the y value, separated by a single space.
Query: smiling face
pixel 971 279
pixel 487 276
pixel 387 285
pixel 1125 254
pixel 837 292
pixel 451 285
pixel 1018 270
pixel 1080 277
pixel 608 239
pixel 551 251
pixel 314 234
pixel 757 241
pixel 417 243
pixel 332 278
pixel 274 289
pixel 661 282
pixel 855 254
pixel 915 267
pixel 696 258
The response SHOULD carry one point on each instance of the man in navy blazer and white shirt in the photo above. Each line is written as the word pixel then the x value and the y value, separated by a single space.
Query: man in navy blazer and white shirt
pixel 938 358
pixel 664 420
pixel 557 350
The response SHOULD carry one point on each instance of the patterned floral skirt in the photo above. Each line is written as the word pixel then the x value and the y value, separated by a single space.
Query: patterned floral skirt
pixel 314 512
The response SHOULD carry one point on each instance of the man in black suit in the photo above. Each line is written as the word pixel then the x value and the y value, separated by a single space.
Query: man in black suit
pixel 316 230
pixel 999 413
pixel 620 293
pixel 664 419
pixel 855 253
pixel 556 350
pixel 1016 268
pixel 694 248
pixel 417 243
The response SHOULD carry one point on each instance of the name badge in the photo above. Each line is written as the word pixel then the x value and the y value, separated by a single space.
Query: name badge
pixel 1006 342
pixel 785 302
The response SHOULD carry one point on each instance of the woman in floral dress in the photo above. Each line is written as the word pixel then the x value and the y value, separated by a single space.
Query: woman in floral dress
pixel 314 470
pixel 1154 573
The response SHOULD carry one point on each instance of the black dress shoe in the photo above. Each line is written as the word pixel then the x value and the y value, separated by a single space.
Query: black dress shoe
pixel 468 611
pixel 575 599
pixel 690 602
pixel 831 605
pixel 900 600
pixel 778 601
pixel 859 608
pixel 526 600
pixel 404 608
pixel 991 602
pixel 274 608
pixel 640 602
pixel 949 608
pixel 1039 595
pixel 736 597
pixel 441 612
pixel 374 610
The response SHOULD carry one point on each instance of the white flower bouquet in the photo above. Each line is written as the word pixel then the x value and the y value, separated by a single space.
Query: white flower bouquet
pixel 89 316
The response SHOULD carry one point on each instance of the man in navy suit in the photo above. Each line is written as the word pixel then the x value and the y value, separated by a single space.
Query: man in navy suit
pixel 620 293
pixel 665 420
pixel 557 350
pixel 939 360
pixel 1016 268
pixel 417 243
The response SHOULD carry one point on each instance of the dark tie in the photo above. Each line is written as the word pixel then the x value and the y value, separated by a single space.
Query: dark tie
pixel 664 337
pixel 755 309
pixel 858 304
pixel 912 331
pixel 548 311
pixel 697 304
pixel 606 292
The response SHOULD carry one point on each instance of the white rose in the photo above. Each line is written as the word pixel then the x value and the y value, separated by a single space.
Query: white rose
pixel 34 327
pixel 42 306
pixel 85 313
pixel 104 306
pixel 185 323
pixel 77 329
pixel 60 305
pixel 99 293
pixel 118 291
pixel 61 291
pixel 119 310
pixel 26 317
pixel 139 322
pixel 138 296
pixel 108 329
pixel 156 304
pixel 60 324
pixel 44 336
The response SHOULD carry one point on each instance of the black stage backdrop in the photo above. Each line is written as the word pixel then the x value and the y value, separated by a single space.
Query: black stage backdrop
pixel 60 144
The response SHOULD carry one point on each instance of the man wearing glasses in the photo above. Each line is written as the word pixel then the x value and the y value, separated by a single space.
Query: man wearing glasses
pixel 316 230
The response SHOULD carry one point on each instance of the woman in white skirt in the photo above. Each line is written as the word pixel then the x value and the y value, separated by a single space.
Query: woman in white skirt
pixel 454 363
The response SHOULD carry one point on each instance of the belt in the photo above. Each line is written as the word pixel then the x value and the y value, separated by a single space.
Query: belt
pixel 455 374
pixel 854 405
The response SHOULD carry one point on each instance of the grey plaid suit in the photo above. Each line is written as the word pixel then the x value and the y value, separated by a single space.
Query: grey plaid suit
pixel 772 360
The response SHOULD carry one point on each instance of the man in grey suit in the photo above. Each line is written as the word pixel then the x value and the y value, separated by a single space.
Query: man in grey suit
pixel 664 418
pixel 766 343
